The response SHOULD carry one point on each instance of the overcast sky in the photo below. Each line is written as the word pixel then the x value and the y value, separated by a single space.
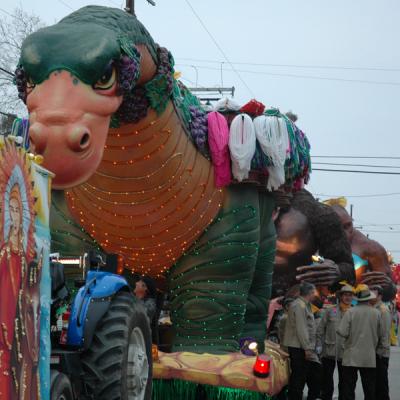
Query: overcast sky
pixel 346 113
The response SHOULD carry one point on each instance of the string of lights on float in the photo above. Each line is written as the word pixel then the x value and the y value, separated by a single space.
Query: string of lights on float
pixel 181 205
pixel 190 283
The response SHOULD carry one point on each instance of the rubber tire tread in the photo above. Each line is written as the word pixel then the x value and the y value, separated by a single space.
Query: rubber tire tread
pixel 60 385
pixel 106 360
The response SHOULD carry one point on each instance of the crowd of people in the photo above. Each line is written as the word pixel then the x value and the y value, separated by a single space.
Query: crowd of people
pixel 352 335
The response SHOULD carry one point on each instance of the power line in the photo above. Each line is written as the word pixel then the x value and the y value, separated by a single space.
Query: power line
pixel 331 67
pixel 7 114
pixel 359 195
pixel 357 172
pixel 357 165
pixel 361 157
pixel 372 231
pixel 389 226
pixel 374 224
pixel 219 48
pixel 300 76
pixel 192 82
pixel 7 72
pixel 66 4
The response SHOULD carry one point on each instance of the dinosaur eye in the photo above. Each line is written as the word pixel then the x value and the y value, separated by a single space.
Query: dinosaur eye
pixel 29 83
pixel 107 80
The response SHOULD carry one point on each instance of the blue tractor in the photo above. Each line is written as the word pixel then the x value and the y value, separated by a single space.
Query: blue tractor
pixel 107 350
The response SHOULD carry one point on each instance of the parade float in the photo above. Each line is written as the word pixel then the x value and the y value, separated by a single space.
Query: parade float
pixel 24 275
pixel 142 171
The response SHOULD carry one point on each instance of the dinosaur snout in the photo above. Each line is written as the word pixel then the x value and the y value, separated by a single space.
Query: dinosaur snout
pixel 64 115
pixel 76 138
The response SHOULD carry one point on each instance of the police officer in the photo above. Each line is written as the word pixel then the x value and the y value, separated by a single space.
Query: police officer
pixel 298 339
pixel 331 343
pixel 361 329
pixel 383 349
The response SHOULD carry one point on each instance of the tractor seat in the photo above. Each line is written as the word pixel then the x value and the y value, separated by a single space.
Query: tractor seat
pixel 59 290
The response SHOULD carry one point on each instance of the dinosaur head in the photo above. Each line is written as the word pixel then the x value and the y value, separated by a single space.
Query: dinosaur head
pixel 75 77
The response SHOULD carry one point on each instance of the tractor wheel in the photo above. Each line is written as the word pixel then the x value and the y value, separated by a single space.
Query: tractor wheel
pixel 118 363
pixel 60 386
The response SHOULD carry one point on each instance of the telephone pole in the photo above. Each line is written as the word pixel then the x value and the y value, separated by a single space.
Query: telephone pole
pixel 209 94
pixel 130 6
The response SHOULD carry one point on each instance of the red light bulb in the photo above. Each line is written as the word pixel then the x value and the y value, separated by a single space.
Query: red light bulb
pixel 262 366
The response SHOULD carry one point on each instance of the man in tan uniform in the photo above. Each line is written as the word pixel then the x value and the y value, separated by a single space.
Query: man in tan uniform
pixel 361 329
pixel 298 339
pixel 282 322
pixel 331 343
pixel 383 350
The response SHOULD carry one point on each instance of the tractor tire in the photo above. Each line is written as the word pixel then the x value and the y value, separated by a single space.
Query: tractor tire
pixel 118 363
pixel 60 386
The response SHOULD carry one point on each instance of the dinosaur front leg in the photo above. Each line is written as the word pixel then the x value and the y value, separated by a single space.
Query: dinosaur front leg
pixel 261 287
pixel 210 283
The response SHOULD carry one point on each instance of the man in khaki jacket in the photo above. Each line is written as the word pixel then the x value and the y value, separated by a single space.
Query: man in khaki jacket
pixel 361 329
pixel 383 349
pixel 298 339
pixel 331 344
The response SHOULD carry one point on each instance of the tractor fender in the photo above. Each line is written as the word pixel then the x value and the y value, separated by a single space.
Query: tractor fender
pixel 90 304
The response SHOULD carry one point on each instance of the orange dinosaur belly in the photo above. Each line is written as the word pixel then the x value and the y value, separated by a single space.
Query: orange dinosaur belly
pixel 152 195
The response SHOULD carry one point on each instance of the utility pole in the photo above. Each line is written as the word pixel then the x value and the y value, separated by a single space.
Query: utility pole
pixel 212 93
pixel 130 6
pixel 351 210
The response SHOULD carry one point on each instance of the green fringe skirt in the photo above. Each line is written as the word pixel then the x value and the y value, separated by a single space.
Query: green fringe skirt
pixel 175 389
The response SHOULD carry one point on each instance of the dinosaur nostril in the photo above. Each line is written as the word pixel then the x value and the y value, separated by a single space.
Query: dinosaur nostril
pixel 85 140
pixel 78 138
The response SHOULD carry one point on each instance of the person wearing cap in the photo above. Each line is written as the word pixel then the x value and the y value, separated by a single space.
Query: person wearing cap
pixel 331 344
pixel 361 329
pixel 298 338
pixel 145 290
pixel 383 349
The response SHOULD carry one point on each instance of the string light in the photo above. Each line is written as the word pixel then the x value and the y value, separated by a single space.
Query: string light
pixel 141 143
pixel 134 211
pixel 220 329
pixel 142 238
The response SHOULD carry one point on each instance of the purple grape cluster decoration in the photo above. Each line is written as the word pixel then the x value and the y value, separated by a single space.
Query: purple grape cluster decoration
pixel 128 73
pixel 166 67
pixel 134 107
pixel 21 82
pixel 199 128
pixel 137 99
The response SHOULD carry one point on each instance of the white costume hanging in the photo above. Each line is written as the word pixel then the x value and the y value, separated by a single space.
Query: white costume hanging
pixel 242 145
pixel 272 134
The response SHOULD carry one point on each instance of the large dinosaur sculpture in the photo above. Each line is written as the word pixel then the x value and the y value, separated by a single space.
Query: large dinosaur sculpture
pixel 128 145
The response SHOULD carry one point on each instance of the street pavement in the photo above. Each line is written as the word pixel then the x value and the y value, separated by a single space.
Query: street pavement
pixel 394 378
pixel 394 373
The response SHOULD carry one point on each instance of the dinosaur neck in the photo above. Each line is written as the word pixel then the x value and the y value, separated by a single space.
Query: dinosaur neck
pixel 152 195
